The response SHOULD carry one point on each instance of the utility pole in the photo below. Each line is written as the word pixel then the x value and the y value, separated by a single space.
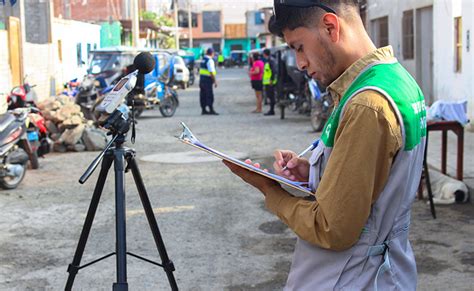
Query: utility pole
pixel 135 23
pixel 190 25
pixel 176 33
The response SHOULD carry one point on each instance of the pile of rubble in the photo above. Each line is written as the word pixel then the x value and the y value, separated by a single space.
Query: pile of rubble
pixel 68 129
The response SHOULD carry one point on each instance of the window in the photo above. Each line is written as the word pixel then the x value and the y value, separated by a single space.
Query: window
pixel 259 18
pixel 383 31
pixel 408 35
pixel 380 31
pixel 183 19
pixel 458 42
pixel 79 54
pixel 211 21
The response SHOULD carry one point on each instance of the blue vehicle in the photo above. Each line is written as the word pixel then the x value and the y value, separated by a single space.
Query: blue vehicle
pixel 157 89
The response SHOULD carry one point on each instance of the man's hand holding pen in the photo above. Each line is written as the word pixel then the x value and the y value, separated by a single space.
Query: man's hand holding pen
pixel 289 165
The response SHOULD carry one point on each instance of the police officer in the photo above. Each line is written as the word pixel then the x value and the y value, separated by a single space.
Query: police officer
pixel 207 78
pixel 269 80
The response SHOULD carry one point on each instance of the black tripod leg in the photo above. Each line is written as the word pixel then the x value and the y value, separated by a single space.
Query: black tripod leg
pixel 427 179
pixel 120 226
pixel 166 262
pixel 74 267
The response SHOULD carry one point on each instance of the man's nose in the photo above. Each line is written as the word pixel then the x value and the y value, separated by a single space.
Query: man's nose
pixel 301 62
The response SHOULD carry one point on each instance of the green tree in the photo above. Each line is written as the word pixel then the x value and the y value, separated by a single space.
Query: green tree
pixel 165 37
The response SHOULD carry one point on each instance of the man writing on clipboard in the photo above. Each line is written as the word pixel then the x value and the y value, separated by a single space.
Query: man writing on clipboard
pixel 366 169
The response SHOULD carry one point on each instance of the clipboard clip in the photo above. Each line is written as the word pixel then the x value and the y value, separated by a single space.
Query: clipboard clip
pixel 187 135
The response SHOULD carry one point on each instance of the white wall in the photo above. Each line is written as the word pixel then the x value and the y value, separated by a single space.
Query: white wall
pixel 394 10
pixel 447 84
pixel 72 33
pixel 468 56
pixel 38 64
pixel 5 72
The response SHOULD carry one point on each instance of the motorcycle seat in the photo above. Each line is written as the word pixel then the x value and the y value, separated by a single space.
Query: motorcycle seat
pixel 5 120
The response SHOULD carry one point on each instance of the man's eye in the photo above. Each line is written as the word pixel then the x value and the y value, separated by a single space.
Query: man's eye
pixel 300 49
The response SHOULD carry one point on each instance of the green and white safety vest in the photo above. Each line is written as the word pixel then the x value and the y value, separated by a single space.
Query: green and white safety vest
pixel 382 259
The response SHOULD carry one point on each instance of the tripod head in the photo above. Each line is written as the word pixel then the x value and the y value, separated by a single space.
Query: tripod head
pixel 118 122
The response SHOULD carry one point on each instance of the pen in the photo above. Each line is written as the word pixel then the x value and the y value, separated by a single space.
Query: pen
pixel 310 148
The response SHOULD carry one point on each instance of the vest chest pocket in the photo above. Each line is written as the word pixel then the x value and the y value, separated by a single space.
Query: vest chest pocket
pixel 316 162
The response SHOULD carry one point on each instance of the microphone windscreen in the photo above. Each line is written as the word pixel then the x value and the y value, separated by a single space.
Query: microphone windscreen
pixel 144 62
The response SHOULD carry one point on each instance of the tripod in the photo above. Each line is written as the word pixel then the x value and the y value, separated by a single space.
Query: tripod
pixel 118 155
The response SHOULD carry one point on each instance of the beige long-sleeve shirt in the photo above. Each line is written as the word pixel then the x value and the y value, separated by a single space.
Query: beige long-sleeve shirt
pixel 366 142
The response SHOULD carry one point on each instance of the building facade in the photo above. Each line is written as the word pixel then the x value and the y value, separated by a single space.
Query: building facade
pixel 433 40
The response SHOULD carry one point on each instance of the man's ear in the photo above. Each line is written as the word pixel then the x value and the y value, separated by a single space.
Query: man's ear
pixel 331 26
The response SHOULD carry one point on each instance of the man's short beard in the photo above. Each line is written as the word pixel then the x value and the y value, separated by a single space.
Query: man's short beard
pixel 329 63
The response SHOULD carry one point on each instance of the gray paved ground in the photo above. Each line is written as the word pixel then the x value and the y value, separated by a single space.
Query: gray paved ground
pixel 215 227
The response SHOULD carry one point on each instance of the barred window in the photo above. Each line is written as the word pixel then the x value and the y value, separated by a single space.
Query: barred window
pixel 408 35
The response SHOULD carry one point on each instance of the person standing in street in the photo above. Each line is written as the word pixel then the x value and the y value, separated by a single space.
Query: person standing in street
pixel 207 79
pixel 269 80
pixel 256 74
pixel 220 60
pixel 365 168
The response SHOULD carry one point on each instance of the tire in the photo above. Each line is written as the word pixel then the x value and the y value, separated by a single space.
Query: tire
pixel 317 122
pixel 168 106
pixel 139 111
pixel 34 162
pixel 9 183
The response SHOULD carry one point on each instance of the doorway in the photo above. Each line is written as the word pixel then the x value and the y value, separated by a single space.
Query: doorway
pixel 424 52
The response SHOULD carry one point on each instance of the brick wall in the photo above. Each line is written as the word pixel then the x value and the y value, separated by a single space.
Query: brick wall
pixel 94 10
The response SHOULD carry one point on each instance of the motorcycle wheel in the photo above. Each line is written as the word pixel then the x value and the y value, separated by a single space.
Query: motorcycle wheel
pixel 317 122
pixel 34 163
pixel 168 106
pixel 138 112
pixel 9 183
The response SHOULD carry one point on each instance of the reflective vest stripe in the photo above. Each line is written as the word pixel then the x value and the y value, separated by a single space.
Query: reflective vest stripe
pixel 203 71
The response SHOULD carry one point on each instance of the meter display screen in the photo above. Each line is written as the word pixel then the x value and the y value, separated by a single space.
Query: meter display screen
pixel 120 84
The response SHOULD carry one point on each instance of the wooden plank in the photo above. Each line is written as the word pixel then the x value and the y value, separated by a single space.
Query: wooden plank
pixel 14 40
pixel 235 31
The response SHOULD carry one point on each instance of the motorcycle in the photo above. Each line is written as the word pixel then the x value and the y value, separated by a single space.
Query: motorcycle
pixel 87 95
pixel 321 106
pixel 155 89
pixel 155 94
pixel 292 84
pixel 21 95
pixel 37 133
pixel 71 88
pixel 15 148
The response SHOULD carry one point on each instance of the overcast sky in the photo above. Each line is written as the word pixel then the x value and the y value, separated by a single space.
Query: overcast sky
pixel 233 10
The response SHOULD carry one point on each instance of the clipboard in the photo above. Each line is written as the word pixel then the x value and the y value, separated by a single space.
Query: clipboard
pixel 188 138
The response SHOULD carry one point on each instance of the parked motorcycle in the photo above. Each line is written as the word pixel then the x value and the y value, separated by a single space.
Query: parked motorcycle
pixel 87 95
pixel 292 84
pixel 155 89
pixel 321 105
pixel 15 149
pixel 155 94
pixel 21 95
pixel 37 134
